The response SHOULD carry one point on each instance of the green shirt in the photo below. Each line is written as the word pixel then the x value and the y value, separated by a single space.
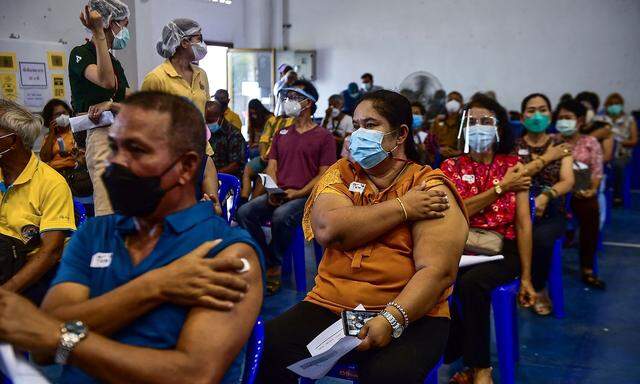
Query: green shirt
pixel 84 93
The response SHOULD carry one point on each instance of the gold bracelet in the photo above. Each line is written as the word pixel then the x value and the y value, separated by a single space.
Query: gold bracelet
pixel 404 211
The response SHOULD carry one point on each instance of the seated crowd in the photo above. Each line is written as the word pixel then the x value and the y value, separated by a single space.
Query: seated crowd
pixel 394 192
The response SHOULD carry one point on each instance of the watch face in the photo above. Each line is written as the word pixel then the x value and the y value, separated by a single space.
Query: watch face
pixel 76 327
pixel 397 332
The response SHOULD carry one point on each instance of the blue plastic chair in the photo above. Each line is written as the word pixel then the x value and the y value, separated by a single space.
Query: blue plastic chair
pixel 80 212
pixel 505 318
pixel 228 184
pixel 626 186
pixel 349 371
pixel 295 256
pixel 255 347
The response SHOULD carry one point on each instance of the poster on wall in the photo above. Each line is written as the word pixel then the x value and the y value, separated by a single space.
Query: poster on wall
pixel 8 61
pixel 33 74
pixel 56 60
pixel 35 98
pixel 9 86
pixel 58 86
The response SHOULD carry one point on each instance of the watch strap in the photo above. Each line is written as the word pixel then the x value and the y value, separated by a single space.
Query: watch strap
pixel 395 325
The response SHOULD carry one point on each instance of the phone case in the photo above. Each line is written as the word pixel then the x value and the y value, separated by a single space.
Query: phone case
pixel 353 321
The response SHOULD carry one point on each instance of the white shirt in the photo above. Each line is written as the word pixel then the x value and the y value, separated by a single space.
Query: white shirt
pixel 345 126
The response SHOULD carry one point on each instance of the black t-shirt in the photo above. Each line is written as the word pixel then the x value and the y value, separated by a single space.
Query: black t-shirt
pixel 84 93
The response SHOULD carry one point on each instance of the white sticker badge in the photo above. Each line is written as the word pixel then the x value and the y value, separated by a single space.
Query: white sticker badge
pixel 523 152
pixel 469 178
pixel 101 260
pixel 283 131
pixel 356 187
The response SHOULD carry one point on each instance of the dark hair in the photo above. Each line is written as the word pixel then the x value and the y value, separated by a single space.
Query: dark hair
pixel 397 110
pixel 505 130
pixel 310 89
pixel 609 100
pixel 417 104
pixel 336 97
pixel 525 101
pixel 186 128
pixel 221 91
pixel 570 105
pixel 286 69
pixel 47 111
pixel 455 93
pixel 590 97
pixel 368 75
pixel 257 125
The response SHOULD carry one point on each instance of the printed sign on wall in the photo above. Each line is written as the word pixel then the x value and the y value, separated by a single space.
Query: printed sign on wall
pixel 58 86
pixel 9 86
pixel 56 60
pixel 33 74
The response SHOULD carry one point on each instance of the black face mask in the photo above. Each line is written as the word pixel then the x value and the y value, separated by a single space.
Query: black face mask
pixel 133 195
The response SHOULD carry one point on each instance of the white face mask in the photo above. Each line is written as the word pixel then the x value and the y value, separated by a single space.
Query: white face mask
pixel 452 106
pixel 199 50
pixel 335 112
pixel 62 120
pixel 566 127
pixel 292 108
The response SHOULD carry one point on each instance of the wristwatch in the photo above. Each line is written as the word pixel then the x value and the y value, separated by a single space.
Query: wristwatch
pixel 497 187
pixel 397 328
pixel 71 333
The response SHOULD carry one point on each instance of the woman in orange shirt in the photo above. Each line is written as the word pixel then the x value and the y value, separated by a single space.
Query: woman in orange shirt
pixel 392 243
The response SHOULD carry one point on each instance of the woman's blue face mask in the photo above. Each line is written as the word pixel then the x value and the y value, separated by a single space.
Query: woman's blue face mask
pixel 481 137
pixel 366 147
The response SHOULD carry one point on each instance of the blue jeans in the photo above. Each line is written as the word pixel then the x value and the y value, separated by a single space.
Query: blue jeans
pixel 284 220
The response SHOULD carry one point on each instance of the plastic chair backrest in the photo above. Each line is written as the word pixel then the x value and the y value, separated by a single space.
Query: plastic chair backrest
pixel 532 206
pixel 228 184
pixel 255 347
pixel 80 212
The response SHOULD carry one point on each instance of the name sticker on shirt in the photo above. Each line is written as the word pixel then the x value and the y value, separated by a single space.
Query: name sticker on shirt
pixel 469 178
pixel 523 152
pixel 101 260
pixel 356 187
pixel 283 131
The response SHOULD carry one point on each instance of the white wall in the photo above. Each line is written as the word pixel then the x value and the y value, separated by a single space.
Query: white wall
pixel 221 23
pixel 511 46
pixel 51 20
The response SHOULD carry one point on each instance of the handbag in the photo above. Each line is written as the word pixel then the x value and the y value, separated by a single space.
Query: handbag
pixel 79 181
pixel 13 255
pixel 582 176
pixel 484 242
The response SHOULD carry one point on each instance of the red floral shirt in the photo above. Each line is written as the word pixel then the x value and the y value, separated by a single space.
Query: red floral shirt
pixel 472 178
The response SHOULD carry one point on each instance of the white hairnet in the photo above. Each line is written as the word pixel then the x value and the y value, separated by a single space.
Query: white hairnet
pixel 110 10
pixel 173 33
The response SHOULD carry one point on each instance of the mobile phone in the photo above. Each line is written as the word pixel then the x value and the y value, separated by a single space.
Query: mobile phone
pixel 354 320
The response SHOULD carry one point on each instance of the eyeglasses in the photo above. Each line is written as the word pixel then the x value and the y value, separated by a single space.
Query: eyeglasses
pixel 197 38
pixel 295 96
pixel 484 120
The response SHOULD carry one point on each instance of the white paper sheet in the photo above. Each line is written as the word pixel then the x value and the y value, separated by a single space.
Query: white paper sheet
pixel 469 260
pixel 326 349
pixel 316 367
pixel 269 184
pixel 83 123
pixel 17 368
pixel 329 337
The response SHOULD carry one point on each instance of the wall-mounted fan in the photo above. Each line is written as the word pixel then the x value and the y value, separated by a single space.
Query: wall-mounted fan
pixel 423 87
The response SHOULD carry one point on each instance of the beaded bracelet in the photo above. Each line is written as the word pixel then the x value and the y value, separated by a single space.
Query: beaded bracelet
pixel 402 311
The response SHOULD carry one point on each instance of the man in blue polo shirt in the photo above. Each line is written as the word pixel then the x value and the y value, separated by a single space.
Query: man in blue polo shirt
pixel 136 308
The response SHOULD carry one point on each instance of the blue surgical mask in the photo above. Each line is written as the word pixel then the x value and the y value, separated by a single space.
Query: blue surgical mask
pixel 366 147
pixel 566 127
pixel 615 109
pixel 213 127
pixel 121 39
pixel 481 137
pixel 417 121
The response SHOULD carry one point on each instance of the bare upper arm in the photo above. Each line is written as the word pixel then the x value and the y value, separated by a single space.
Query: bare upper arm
pixel 566 169
pixel 523 210
pixel 212 339
pixel 438 243
pixel 64 294
pixel 91 74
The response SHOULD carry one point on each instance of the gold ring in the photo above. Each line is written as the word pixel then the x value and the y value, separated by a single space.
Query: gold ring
pixel 566 151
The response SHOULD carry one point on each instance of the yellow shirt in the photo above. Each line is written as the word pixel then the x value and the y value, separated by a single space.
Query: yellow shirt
pixel 39 200
pixel 233 118
pixel 165 78
pixel 271 127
